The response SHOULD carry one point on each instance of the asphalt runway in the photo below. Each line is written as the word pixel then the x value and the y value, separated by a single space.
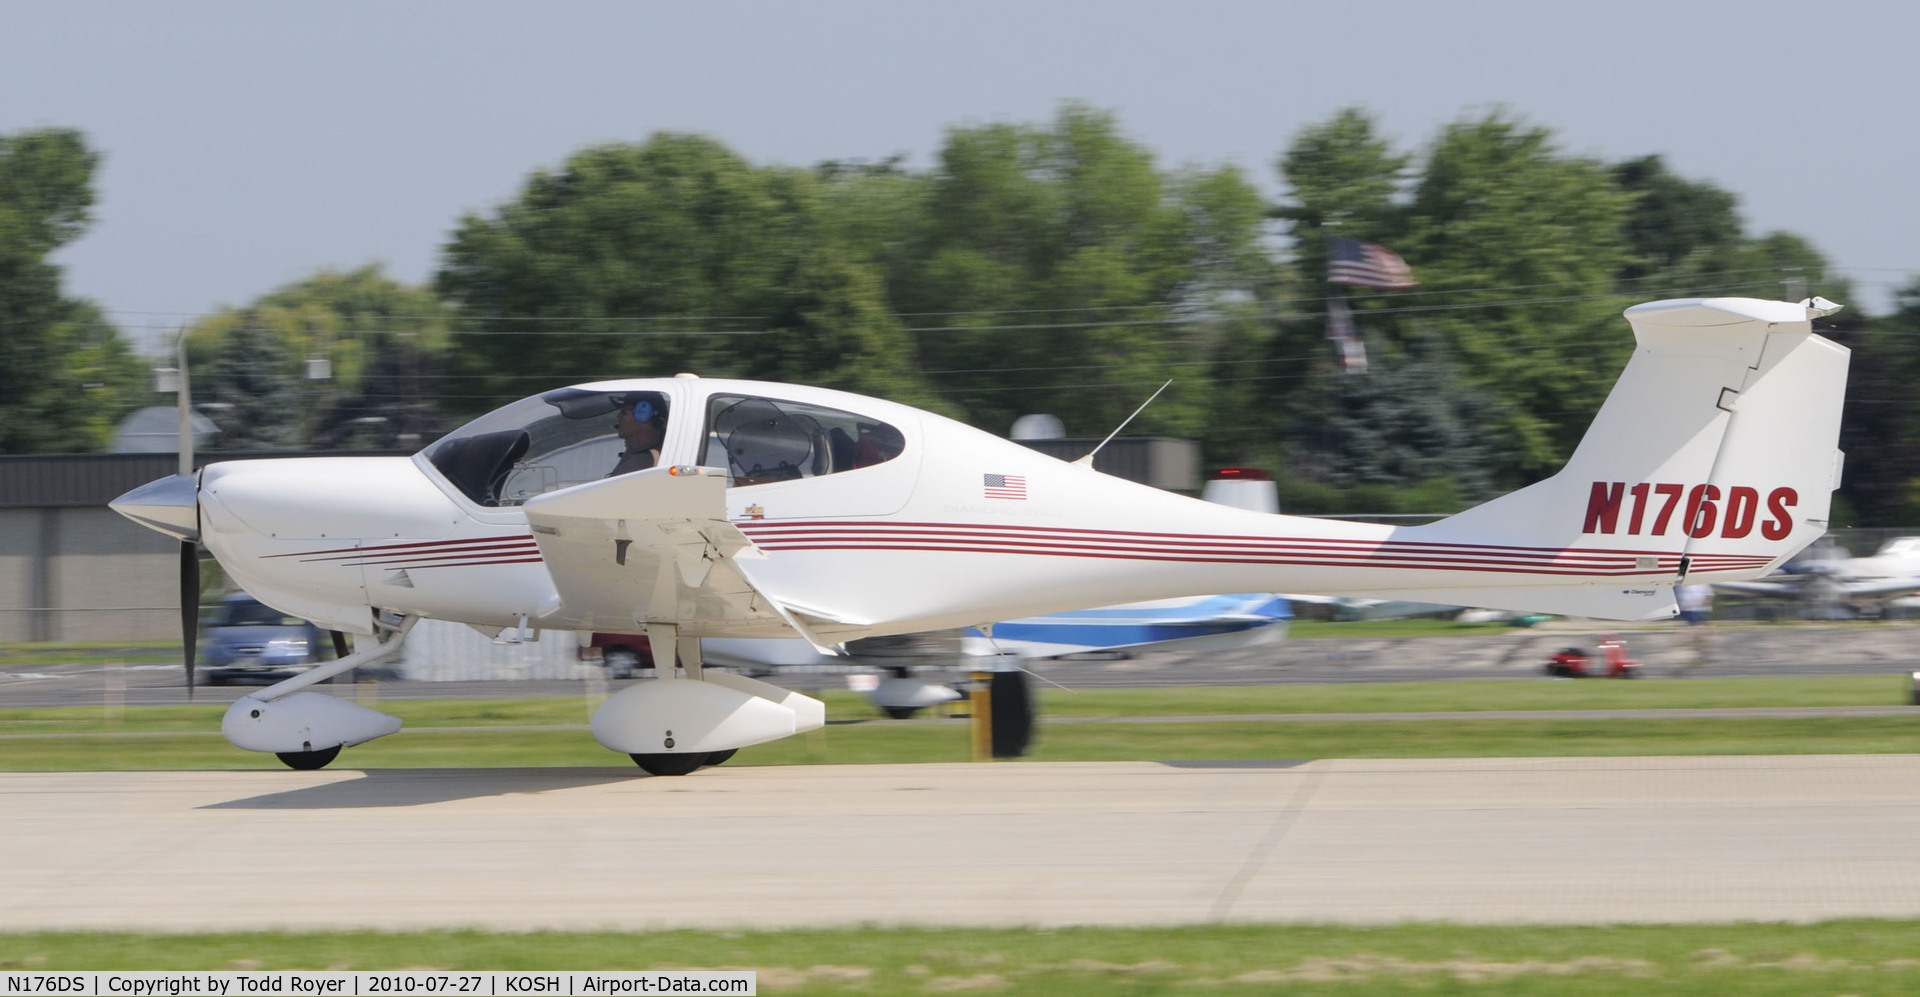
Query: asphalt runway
pixel 1540 840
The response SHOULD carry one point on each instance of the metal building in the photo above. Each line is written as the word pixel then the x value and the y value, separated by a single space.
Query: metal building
pixel 72 569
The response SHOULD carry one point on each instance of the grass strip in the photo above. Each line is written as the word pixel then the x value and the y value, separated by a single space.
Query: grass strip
pixel 1493 694
pixel 882 742
pixel 1851 956
pixel 186 737
pixel 1397 697
pixel 84 652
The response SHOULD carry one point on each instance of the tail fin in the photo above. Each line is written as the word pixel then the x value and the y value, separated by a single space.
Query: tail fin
pixel 1713 459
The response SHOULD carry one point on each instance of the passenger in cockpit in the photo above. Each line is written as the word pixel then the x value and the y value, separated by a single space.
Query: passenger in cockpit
pixel 641 421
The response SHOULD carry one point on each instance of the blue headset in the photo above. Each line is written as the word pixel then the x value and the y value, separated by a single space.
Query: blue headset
pixel 643 410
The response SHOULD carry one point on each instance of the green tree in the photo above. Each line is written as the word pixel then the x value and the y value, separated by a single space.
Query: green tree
pixel 1406 422
pixel 630 260
pixel 395 403
pixel 1525 244
pixel 383 343
pixel 1780 264
pixel 66 375
pixel 1059 270
pixel 835 331
pixel 1343 180
pixel 1677 228
pixel 253 395
pixel 1525 255
pixel 1686 239
pixel 1880 428
pixel 873 212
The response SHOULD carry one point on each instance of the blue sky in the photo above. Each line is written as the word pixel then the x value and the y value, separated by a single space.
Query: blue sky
pixel 248 144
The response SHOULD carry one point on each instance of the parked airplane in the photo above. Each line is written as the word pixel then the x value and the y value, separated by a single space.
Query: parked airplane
pixel 1866 584
pixel 928 675
pixel 776 510
pixel 1214 622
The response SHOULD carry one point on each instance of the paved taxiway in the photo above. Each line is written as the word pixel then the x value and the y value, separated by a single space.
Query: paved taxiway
pixel 1580 840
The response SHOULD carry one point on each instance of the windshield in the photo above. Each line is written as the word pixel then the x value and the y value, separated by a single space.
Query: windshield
pixel 551 441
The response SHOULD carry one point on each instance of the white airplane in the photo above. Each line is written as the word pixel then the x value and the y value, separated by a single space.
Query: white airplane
pixel 779 510
pixel 1865 583
pixel 1188 623
pixel 925 674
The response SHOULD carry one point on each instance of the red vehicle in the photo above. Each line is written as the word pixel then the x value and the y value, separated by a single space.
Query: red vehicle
pixel 1576 663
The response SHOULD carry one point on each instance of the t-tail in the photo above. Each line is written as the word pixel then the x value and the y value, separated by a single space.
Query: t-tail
pixel 1713 459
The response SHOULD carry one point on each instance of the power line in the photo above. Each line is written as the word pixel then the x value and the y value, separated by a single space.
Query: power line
pixel 1275 310
pixel 454 318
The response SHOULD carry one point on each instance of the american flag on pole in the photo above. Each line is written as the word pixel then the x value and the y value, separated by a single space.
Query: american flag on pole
pixel 1006 486
pixel 1366 265
pixel 1353 351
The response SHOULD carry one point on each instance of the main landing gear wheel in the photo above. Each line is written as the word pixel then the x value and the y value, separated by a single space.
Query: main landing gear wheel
pixel 309 760
pixel 716 757
pixel 675 763
pixel 901 712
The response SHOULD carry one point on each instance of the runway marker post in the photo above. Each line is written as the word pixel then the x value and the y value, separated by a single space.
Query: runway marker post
pixel 982 705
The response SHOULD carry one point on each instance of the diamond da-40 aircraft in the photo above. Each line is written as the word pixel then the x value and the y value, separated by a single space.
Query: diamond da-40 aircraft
pixel 776 510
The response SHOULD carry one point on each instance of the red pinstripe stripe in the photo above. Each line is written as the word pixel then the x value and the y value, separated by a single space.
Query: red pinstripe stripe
pixel 1481 566
pixel 423 546
pixel 1377 558
pixel 536 559
pixel 1371 548
pixel 1214 548
pixel 1093 543
pixel 854 531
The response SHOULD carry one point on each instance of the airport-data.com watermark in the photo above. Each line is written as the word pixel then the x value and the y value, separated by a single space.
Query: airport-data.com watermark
pixel 409 983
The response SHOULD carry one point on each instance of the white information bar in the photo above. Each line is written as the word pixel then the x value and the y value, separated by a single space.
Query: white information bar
pixel 316 983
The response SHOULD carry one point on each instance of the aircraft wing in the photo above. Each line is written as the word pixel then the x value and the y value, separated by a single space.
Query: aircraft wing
pixel 656 546
pixel 1778 585
pixel 1794 585
pixel 1218 622
pixel 1881 588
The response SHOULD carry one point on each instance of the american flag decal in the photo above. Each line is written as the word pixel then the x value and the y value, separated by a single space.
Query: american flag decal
pixel 1006 486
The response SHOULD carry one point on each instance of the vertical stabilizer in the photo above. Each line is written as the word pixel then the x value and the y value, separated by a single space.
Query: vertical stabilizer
pixel 1713 459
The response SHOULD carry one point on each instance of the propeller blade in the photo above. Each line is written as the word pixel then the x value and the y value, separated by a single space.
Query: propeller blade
pixel 189 606
pixel 186 409
pixel 340 646
pixel 189 550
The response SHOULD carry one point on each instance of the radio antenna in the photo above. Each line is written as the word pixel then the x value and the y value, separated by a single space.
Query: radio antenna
pixel 1087 461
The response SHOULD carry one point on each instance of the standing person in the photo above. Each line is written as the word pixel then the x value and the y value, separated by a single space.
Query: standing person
pixel 1696 603
pixel 1696 606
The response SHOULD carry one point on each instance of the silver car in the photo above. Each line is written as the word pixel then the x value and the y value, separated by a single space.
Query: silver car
pixel 245 637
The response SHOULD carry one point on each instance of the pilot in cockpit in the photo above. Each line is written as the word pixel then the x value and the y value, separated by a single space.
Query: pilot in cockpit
pixel 641 421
